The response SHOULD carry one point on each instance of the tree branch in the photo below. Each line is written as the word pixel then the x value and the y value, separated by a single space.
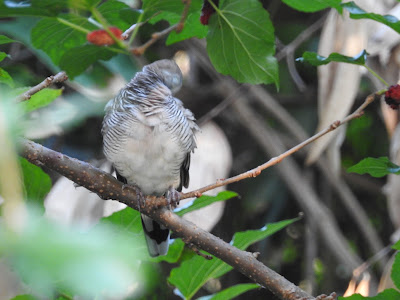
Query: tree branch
pixel 59 77
pixel 277 159
pixel 108 187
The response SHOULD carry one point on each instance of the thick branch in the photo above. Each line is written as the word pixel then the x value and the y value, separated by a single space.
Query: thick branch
pixel 107 187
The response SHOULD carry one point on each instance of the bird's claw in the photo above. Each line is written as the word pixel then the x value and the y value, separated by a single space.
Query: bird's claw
pixel 173 197
pixel 141 200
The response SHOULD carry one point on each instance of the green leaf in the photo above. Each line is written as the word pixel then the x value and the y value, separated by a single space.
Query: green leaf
pixel 203 201
pixel 231 292
pixel 397 245
pixel 395 275
pixel 6 78
pixel 389 294
pixel 56 36
pixel 317 60
pixel 358 13
pixel 244 239
pixel 113 10
pixel 36 183
pixel 32 8
pixel 83 4
pixel 24 297
pixel 41 99
pixel 241 42
pixel 128 220
pixel 152 7
pixel 174 252
pixel 192 26
pixel 376 167
pixel 313 5
pixel 3 55
pixel 5 40
pixel 203 270
pixel 76 60
pixel 92 264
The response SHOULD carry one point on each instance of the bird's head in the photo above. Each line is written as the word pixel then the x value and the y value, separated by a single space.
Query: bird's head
pixel 168 72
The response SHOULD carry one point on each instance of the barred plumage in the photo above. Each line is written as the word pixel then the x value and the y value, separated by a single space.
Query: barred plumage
pixel 148 136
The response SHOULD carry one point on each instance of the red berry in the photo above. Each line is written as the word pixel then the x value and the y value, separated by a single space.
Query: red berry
pixel 206 11
pixel 392 96
pixel 102 38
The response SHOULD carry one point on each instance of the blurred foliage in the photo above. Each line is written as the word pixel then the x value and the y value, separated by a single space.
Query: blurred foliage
pixel 49 257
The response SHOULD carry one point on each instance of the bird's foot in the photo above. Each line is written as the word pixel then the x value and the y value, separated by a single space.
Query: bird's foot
pixel 140 198
pixel 173 197
pixel 332 296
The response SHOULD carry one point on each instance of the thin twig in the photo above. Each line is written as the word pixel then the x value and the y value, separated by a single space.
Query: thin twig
pixel 157 35
pixel 342 189
pixel 275 160
pixel 298 81
pixel 154 38
pixel 59 77
pixel 185 12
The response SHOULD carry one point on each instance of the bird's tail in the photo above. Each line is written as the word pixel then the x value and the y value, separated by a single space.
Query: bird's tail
pixel 157 236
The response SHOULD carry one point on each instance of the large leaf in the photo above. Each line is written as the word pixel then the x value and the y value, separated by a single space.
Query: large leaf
pixel 113 11
pixel 91 265
pixel 231 292
pixel 358 13
pixel 202 270
pixel 76 60
pixel 241 42
pixel 55 36
pixel 36 183
pixel 32 8
pixel 203 201
pixel 154 7
pixel 41 99
pixel 376 167
pixel 389 294
pixel 313 5
pixel 317 60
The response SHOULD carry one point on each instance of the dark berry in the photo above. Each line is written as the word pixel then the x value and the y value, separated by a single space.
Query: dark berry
pixel 392 96
pixel 206 11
